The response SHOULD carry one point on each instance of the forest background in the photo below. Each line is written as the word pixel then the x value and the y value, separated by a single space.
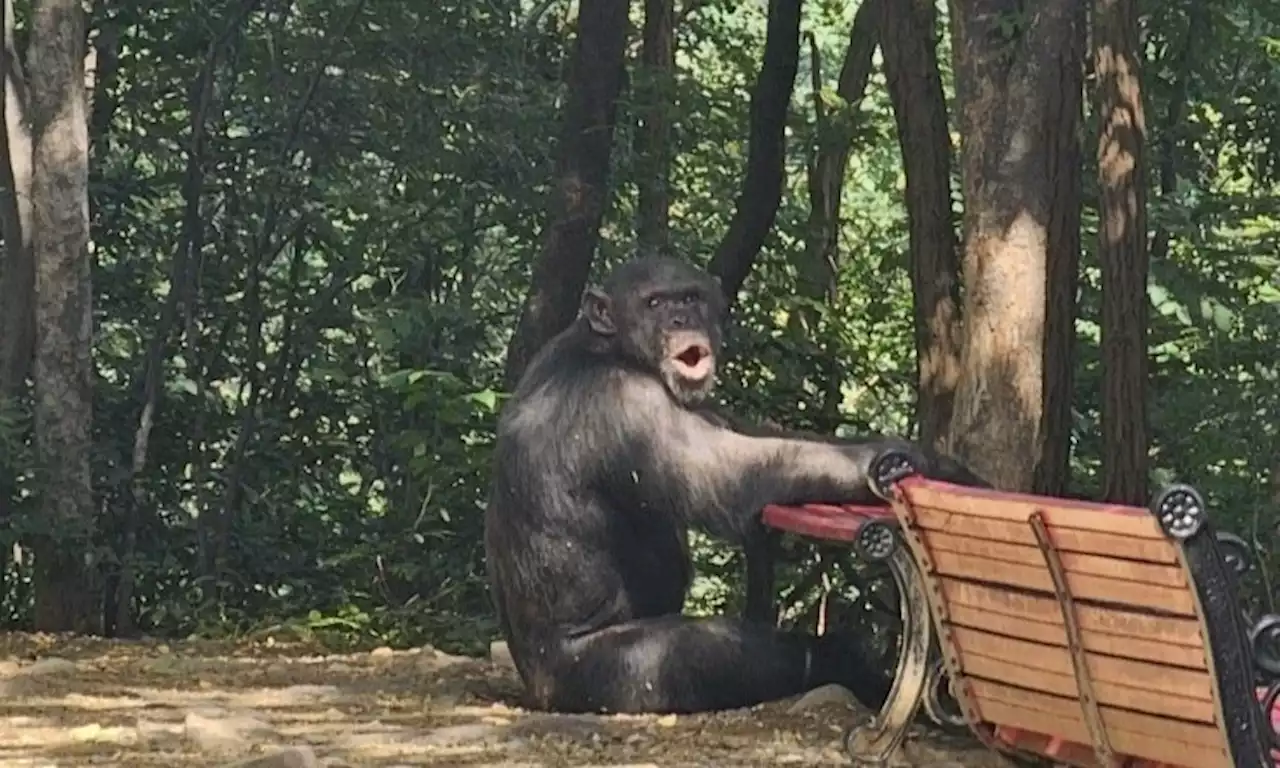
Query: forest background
pixel 270 265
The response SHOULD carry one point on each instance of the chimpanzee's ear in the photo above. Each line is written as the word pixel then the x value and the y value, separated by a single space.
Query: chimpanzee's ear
pixel 598 310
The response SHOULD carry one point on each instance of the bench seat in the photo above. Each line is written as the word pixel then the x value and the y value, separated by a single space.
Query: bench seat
pixel 1092 634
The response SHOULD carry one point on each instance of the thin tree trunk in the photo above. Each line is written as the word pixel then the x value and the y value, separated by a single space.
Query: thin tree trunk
pixel 1006 90
pixel 582 171
pixel 817 270
pixel 17 272
pixel 65 595
pixel 1053 470
pixel 1123 251
pixel 653 139
pixel 757 203
pixel 920 110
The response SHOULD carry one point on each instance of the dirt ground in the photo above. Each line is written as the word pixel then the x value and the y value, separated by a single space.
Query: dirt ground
pixel 90 702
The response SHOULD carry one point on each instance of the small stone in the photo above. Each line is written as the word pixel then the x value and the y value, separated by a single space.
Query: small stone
pixel 152 731
pixel 50 666
pixel 822 696
pixel 213 732
pixel 500 654
pixel 668 721
pixel 470 733
pixel 381 652
pixel 293 757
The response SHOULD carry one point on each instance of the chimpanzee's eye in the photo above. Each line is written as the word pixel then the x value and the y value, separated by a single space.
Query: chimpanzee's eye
pixel 654 301
pixel 687 298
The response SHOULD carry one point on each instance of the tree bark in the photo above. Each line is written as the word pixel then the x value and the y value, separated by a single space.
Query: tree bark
pixel 1006 89
pixel 817 272
pixel 64 594
pixel 17 273
pixel 757 203
pixel 920 109
pixel 653 139
pixel 1122 250
pixel 582 171
pixel 1066 161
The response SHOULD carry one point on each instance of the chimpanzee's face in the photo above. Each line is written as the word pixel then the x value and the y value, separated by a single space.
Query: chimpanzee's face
pixel 677 334
pixel 665 315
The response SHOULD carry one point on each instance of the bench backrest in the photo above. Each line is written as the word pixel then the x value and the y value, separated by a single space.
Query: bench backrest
pixel 1077 630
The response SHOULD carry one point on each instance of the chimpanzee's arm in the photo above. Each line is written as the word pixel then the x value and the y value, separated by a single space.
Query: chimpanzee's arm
pixel 718 479
pixel 940 466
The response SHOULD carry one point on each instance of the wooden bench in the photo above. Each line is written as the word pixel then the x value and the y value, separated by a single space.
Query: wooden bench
pixel 1091 634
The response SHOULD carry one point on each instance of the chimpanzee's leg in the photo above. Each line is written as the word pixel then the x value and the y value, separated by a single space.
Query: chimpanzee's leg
pixel 681 664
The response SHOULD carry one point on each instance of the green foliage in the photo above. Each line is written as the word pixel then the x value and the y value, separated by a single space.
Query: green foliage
pixel 349 242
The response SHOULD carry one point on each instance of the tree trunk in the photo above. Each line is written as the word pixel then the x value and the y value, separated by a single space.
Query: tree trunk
pixel 817 270
pixel 582 172
pixel 1066 161
pixel 64 596
pixel 1006 90
pixel 757 203
pixel 653 139
pixel 17 272
pixel 920 109
pixel 1123 251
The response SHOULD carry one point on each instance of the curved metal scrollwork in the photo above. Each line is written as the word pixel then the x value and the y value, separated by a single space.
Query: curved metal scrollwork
pixel 1268 704
pixel 1236 552
pixel 1265 639
pixel 939 702
pixel 873 744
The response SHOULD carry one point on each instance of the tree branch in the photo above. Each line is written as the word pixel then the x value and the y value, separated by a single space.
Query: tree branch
pixel 757 204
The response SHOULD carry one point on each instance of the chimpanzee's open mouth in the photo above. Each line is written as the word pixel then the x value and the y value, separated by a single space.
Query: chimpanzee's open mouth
pixel 695 362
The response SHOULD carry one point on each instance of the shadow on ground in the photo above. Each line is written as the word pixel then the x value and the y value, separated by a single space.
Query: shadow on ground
pixel 89 702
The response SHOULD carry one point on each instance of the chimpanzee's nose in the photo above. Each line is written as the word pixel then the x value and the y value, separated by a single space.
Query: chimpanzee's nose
pixel 679 321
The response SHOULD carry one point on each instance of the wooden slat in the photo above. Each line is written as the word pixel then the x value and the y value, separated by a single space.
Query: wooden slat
pixel 1166 751
pixel 1072 562
pixel 1055 634
pixel 1145 700
pixel 1065 539
pixel 1116 720
pixel 1083 587
pixel 1158 678
pixel 1015 507
pixel 1163 630
pixel 1061 750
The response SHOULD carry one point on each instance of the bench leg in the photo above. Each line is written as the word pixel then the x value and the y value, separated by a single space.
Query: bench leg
pixel 874 743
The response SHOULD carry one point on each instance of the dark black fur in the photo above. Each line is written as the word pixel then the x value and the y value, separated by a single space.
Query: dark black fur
pixel 604 458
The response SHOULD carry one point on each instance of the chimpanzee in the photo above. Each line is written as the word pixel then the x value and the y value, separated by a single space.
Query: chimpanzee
pixel 604 457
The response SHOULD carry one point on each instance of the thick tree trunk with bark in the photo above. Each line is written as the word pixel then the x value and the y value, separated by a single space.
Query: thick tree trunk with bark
pixel 582 182
pixel 757 203
pixel 1007 91
pixel 64 594
pixel 653 139
pixel 1123 251
pixel 920 109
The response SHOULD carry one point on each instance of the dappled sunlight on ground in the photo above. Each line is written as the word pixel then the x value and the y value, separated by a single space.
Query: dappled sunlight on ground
pixel 88 702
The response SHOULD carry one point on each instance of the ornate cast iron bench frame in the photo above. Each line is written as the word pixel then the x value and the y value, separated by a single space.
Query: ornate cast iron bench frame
pixel 1102 595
